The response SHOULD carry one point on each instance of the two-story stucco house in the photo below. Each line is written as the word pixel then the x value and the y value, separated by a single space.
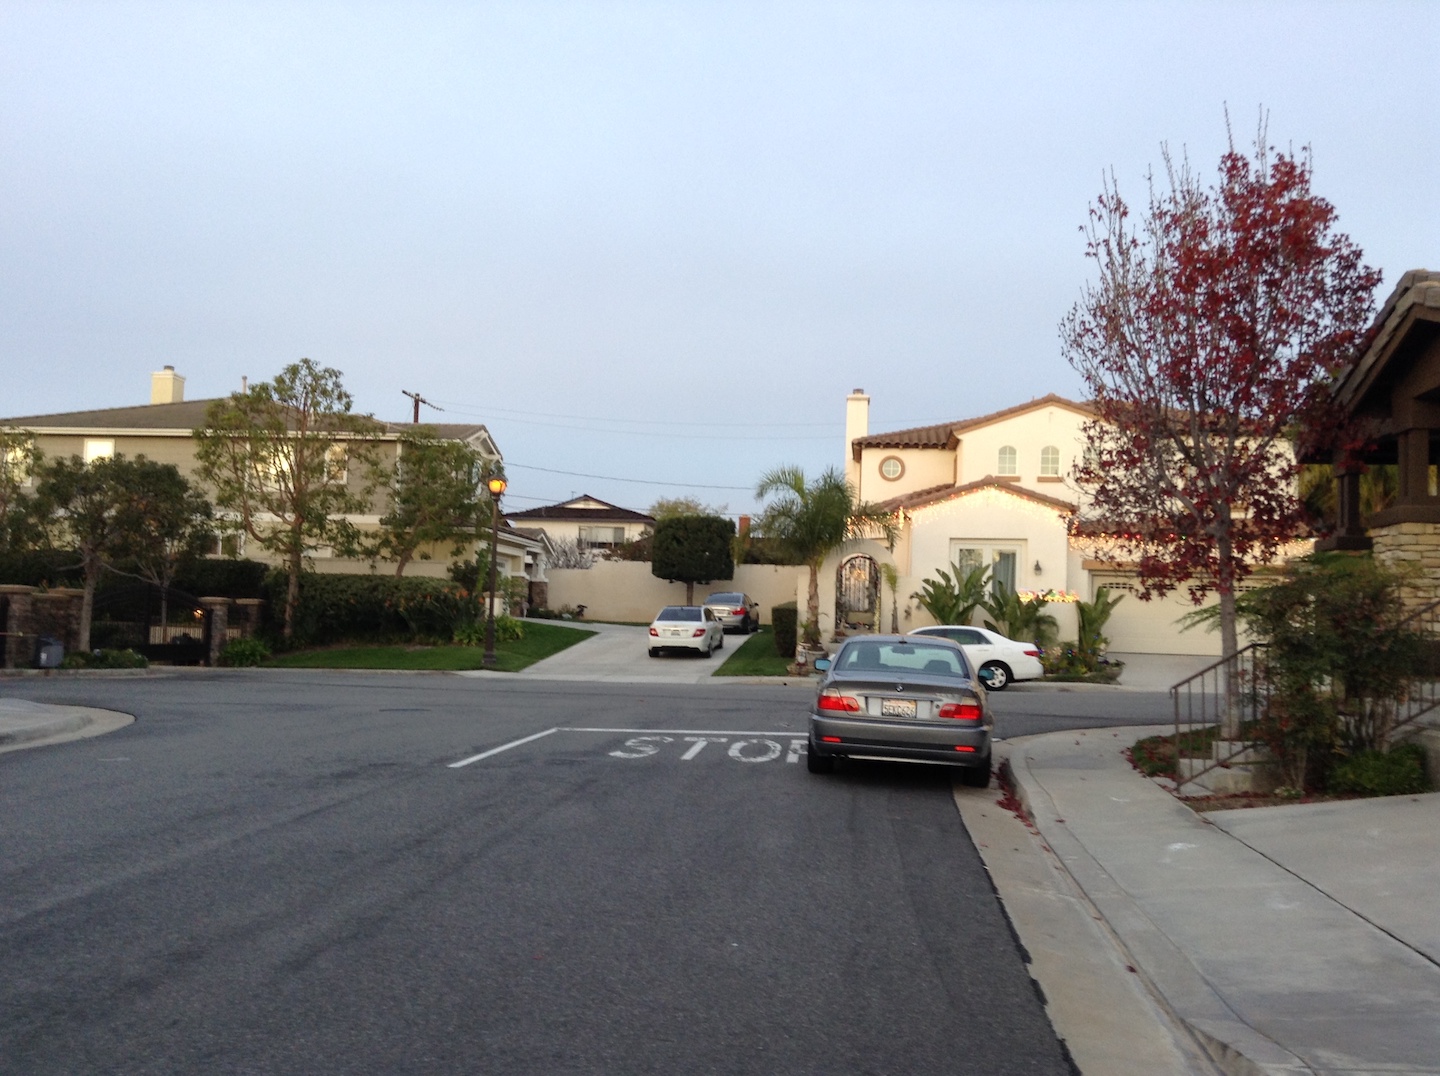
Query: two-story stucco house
pixel 163 430
pixel 991 490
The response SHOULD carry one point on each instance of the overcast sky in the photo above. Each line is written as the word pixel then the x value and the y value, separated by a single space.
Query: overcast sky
pixel 652 242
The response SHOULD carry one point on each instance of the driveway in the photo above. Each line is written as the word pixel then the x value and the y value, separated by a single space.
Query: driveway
pixel 619 654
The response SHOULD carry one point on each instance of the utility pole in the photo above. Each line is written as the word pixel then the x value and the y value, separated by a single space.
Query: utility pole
pixel 415 418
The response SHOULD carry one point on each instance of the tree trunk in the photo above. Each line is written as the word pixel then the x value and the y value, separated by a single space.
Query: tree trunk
pixel 400 564
pixel 1229 639
pixel 689 593
pixel 87 603
pixel 292 591
pixel 812 606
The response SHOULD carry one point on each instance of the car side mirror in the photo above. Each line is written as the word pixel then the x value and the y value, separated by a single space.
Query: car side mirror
pixel 822 664
pixel 986 675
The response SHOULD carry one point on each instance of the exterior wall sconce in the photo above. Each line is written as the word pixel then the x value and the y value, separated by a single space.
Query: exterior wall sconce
pixel 1036 569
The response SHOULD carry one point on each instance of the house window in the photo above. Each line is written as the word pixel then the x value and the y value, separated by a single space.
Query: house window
pixel 1009 463
pixel 1003 560
pixel 15 464
pixel 226 545
pixel 1049 462
pixel 97 448
pixel 591 537
pixel 891 468
pixel 337 464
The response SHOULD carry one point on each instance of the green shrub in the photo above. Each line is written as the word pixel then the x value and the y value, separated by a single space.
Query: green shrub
pixel 105 659
pixel 332 608
pixel 472 633
pixel 1397 772
pixel 244 653
pixel 784 618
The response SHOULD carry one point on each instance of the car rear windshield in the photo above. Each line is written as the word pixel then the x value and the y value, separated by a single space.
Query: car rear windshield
pixel 681 612
pixel 864 656
pixel 723 599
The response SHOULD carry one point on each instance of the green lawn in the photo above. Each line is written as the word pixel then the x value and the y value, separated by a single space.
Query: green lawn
pixel 541 640
pixel 756 656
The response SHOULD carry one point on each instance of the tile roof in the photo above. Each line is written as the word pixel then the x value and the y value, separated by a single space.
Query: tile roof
pixel 947 434
pixel 922 498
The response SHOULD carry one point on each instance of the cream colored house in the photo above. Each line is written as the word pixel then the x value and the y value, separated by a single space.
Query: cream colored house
pixel 992 490
pixel 162 430
pixel 586 521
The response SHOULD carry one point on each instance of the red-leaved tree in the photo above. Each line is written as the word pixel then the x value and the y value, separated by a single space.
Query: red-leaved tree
pixel 1206 345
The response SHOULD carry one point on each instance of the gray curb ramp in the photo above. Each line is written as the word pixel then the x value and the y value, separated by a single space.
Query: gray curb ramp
pixel 1270 974
pixel 31 724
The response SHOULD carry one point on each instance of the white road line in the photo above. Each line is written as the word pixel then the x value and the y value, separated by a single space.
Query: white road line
pixel 504 747
pixel 689 732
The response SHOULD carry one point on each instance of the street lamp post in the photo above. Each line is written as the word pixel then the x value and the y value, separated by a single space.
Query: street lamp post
pixel 497 487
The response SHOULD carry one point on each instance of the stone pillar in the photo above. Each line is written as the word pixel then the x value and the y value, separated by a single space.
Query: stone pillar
pixel 1414 549
pixel 19 625
pixel 57 613
pixel 217 620
pixel 247 612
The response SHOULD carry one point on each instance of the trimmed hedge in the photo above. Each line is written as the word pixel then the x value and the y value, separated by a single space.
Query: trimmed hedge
pixel 41 568
pixel 784 618
pixel 332 608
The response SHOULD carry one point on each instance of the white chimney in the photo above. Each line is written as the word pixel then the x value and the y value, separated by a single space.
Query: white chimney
pixel 857 424
pixel 166 386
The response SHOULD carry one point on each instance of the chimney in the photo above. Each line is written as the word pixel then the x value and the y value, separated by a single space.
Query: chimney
pixel 166 386
pixel 857 424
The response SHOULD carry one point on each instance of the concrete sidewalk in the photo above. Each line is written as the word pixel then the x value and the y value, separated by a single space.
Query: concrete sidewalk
pixel 1296 939
pixel 32 724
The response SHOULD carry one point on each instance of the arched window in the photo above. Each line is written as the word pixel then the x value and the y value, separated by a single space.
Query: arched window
pixel 1050 462
pixel 1009 461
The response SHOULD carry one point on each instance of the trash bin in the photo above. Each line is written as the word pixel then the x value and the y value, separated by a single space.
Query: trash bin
pixel 49 652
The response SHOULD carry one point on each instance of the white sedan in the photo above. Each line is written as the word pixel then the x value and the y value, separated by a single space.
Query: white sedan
pixel 686 627
pixel 1007 659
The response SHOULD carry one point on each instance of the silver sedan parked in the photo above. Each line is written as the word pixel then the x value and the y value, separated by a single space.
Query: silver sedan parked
pixel 735 611
pixel 686 627
pixel 901 697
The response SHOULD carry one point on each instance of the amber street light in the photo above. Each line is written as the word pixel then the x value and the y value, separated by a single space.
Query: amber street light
pixel 496 486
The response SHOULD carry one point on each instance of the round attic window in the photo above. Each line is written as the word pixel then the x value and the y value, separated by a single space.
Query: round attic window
pixel 891 468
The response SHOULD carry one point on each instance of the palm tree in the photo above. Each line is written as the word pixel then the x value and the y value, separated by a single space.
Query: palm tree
pixel 810 520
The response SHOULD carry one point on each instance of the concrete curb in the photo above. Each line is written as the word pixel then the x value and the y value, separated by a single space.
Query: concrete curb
pixel 1235 1046
pixel 70 720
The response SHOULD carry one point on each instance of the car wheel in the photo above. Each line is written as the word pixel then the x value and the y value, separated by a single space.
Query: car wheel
pixel 708 651
pixel 999 675
pixel 976 776
pixel 818 763
pixel 654 651
pixel 720 643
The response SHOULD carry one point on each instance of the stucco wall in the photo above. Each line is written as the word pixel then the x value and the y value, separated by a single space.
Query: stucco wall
pixel 625 590
pixel 924 468
pixel 1028 434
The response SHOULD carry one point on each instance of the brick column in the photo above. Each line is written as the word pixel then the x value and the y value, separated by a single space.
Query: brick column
pixel 247 612
pixel 1415 548
pixel 217 619
pixel 19 625
pixel 57 613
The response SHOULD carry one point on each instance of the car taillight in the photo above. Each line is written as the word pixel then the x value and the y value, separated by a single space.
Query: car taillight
pixel 654 632
pixel 1032 653
pixel 833 700
pixel 697 633
pixel 961 711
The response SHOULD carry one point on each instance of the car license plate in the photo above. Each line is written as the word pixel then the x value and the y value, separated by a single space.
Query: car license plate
pixel 897 707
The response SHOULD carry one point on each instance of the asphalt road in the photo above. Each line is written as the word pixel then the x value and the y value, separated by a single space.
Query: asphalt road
pixel 288 872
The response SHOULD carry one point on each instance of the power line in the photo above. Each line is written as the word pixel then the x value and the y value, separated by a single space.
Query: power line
pixel 464 408
pixel 612 478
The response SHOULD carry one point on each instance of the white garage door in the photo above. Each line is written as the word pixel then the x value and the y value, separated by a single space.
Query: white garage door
pixel 1140 627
